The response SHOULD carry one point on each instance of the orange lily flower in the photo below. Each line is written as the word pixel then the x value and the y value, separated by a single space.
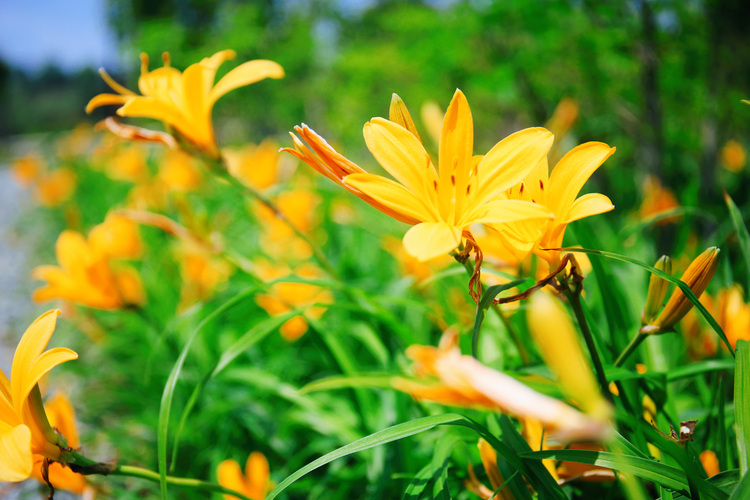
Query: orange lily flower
pixel 24 428
pixel 256 481
pixel 184 100
pixel 441 203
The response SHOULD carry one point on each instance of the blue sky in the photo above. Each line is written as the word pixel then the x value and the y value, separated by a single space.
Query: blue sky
pixel 71 33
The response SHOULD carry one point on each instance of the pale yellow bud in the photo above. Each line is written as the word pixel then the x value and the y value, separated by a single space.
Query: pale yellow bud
pixel 696 276
pixel 399 114
pixel 657 290
pixel 557 339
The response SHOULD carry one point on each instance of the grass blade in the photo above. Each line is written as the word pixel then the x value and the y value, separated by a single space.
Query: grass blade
pixel 742 403
pixel 742 234
pixel 169 387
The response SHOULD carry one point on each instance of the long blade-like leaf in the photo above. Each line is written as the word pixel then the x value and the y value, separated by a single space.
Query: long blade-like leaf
pixel 484 304
pixel 742 235
pixel 742 403
pixel 169 387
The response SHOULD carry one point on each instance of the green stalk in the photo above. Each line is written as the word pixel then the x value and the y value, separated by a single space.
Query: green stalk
pixel 183 482
pixel 511 331
pixel 575 301
pixel 630 348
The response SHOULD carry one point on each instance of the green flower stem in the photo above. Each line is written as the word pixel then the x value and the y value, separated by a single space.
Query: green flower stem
pixel 511 331
pixel 574 297
pixel 631 347
pixel 183 482
pixel 82 465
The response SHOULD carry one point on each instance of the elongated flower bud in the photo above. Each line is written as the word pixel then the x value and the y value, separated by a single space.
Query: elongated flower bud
pixel 398 113
pixel 657 290
pixel 696 276
pixel 557 339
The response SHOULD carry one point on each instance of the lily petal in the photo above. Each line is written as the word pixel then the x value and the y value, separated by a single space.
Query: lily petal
pixel 390 194
pixel 572 172
pixel 428 240
pixel 15 453
pixel 229 475
pixel 456 145
pixel 30 347
pixel 510 160
pixel 589 204
pixel 107 100
pixel 403 156
pixel 245 74
pixel 41 366
pixel 257 474
pixel 500 211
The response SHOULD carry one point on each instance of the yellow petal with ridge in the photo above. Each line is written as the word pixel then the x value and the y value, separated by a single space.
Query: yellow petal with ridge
pixel 572 172
pixel 390 194
pixel 404 157
pixel 510 160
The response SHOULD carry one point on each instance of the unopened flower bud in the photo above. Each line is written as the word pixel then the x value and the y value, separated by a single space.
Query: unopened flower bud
pixel 696 276
pixel 657 290
pixel 399 114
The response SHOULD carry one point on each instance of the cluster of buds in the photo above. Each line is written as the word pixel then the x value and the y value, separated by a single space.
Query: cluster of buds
pixel 696 276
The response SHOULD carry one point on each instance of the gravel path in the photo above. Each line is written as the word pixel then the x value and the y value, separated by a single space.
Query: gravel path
pixel 15 286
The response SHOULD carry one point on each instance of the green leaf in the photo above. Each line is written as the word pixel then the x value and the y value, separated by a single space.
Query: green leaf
pixel 365 380
pixel 660 473
pixel 742 235
pixel 681 284
pixel 169 387
pixel 743 489
pixel 250 338
pixel 484 304
pixel 407 429
pixel 742 403
pixel 388 435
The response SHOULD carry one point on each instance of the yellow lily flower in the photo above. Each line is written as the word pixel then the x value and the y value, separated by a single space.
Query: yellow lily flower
pixel 184 100
pixel 24 428
pixel 441 203
pixel 558 193
pixel 55 187
pixel 85 276
pixel 256 481
pixel 63 418
pixel 464 381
